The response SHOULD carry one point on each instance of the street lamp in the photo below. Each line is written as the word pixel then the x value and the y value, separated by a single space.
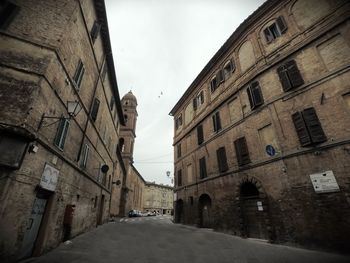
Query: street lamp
pixel 73 109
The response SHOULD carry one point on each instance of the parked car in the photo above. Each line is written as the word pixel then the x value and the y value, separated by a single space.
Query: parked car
pixel 134 213
pixel 149 213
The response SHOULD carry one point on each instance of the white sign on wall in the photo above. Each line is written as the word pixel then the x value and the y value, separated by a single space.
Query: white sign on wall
pixel 324 182
pixel 49 178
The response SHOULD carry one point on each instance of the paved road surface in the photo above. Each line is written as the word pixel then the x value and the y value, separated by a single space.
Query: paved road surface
pixel 158 240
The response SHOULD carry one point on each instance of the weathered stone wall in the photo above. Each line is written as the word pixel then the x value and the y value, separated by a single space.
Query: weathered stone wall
pixel 292 210
pixel 39 53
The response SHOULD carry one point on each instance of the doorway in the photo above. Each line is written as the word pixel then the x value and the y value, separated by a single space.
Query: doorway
pixel 179 211
pixel 254 211
pixel 100 211
pixel 33 224
pixel 204 211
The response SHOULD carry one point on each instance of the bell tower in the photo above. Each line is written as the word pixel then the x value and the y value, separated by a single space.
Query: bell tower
pixel 128 132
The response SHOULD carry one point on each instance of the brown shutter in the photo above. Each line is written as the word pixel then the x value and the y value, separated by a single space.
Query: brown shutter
pixel 194 102
pixel 214 123
pixel 268 35
pixel 294 74
pixel 95 108
pixel 218 121
pixel 256 94
pixel 200 136
pixel 219 77
pixel 202 168
pixel 178 150
pixel 222 160
pixel 281 24
pixel 242 151
pixel 250 97
pixel 283 75
pixel 301 129
pixel 314 126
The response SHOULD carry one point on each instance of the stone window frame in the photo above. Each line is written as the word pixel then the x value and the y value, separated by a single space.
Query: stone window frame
pixel 275 30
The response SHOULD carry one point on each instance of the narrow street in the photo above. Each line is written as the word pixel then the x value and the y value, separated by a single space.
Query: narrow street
pixel 157 239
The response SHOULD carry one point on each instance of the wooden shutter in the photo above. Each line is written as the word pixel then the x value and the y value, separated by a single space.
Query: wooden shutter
pixel 242 151
pixel 200 136
pixel 79 73
pixel 95 108
pixel 314 126
pixel 219 77
pixel 218 121
pixel 178 150
pixel 250 97
pixel 61 133
pixel 95 31
pixel 281 23
pixel 194 102
pixel 213 84
pixel 201 95
pixel 283 75
pixel 294 74
pixel 268 35
pixel 301 129
pixel 257 94
pixel 202 168
pixel 222 160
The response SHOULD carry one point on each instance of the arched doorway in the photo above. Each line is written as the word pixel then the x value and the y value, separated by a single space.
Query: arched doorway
pixel 179 211
pixel 254 211
pixel 204 205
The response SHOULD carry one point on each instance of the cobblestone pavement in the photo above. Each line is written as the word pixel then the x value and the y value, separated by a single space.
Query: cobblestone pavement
pixel 157 239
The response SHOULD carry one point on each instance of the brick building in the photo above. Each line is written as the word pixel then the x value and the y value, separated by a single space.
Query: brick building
pixel 59 124
pixel 159 198
pixel 261 139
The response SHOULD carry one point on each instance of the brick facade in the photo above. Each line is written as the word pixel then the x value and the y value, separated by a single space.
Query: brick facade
pixel 42 44
pixel 280 81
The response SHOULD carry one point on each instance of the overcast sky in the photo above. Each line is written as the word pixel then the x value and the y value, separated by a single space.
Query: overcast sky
pixel 159 47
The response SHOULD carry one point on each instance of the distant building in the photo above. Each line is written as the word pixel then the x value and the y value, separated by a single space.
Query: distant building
pixel 261 138
pixel 59 124
pixel 159 198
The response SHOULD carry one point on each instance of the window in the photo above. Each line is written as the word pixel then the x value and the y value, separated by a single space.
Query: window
pixel 179 150
pixel 202 168
pixel 126 118
pixel 289 75
pixel 84 156
pixel 179 178
pixel 178 121
pixel 216 121
pixel 79 73
pixel 104 71
pixel 308 127
pixel 346 98
pixel 95 30
pixel 222 160
pixel 190 200
pixel 198 100
pixel 228 69
pixel 7 12
pixel 200 135
pixel 111 103
pixel 275 30
pixel 255 95
pixel 242 151
pixel 95 108
pixel 61 133
pixel 216 81
pixel 121 144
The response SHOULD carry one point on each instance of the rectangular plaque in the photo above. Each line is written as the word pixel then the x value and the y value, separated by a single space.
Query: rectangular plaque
pixel 49 178
pixel 324 182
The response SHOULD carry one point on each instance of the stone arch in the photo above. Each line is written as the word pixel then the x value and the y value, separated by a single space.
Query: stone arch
pixel 246 55
pixel 253 209
pixel 205 210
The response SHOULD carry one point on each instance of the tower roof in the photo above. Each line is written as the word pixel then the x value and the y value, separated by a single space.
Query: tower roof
pixel 129 96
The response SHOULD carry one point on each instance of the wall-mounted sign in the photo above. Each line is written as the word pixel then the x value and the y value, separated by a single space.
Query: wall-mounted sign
pixel 270 150
pixel 324 182
pixel 49 178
